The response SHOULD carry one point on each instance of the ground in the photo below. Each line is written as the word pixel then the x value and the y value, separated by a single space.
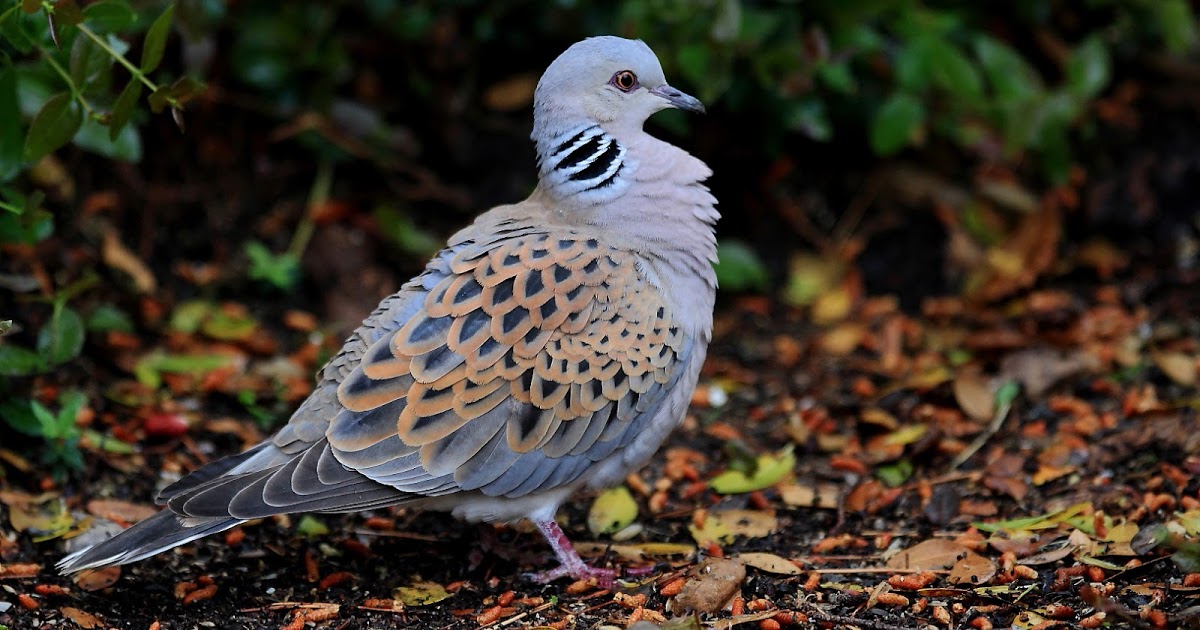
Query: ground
pixel 858 474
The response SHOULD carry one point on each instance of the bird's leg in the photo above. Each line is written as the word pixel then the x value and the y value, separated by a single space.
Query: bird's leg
pixel 569 561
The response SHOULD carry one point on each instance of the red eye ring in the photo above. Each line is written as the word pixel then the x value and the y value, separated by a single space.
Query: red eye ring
pixel 625 80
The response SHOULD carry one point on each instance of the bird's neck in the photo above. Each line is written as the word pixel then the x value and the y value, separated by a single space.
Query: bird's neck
pixel 646 195
pixel 584 165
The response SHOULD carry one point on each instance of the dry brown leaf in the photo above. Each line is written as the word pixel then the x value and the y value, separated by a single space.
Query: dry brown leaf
pixel 97 579
pixel 748 523
pixel 83 619
pixel 120 511
pixel 843 339
pixel 769 562
pixel 1178 367
pixel 633 552
pixel 972 569
pixel 116 255
pixel 930 555
pixel 1050 553
pixel 974 395
pixel 1039 368
pixel 715 582
pixel 823 495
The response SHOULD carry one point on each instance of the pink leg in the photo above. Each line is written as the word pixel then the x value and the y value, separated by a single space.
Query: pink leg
pixel 570 564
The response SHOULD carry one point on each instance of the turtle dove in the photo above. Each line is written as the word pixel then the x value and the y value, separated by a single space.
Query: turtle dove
pixel 550 347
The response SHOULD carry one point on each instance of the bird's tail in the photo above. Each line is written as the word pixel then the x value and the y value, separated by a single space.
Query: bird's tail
pixel 156 534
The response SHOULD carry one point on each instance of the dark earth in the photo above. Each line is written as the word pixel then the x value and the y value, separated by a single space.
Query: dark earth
pixel 878 385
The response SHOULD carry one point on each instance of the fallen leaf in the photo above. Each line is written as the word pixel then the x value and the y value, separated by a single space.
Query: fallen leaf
pixel 421 594
pixel 613 510
pixel 972 569
pixel 85 620
pixel 769 562
pixel 1178 366
pixel 930 555
pixel 633 552
pixel 97 579
pixel 824 496
pixel 713 584
pixel 120 511
pixel 974 395
pixel 768 470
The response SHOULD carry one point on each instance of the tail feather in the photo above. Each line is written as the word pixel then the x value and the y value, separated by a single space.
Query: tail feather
pixel 154 535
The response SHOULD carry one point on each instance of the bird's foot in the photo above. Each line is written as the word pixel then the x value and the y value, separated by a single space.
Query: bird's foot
pixel 604 577
pixel 570 564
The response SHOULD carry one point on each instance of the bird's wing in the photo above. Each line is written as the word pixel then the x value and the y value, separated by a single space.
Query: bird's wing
pixel 539 355
pixel 536 354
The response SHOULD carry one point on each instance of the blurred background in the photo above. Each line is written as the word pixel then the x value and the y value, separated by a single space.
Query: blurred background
pixel 184 183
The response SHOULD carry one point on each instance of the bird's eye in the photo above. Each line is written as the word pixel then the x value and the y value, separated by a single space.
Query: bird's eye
pixel 624 80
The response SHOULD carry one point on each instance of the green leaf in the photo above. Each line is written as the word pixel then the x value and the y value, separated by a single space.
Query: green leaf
pixel 107 317
pixel 913 67
pixel 310 526
pixel 123 108
pixel 18 414
pixel 838 77
pixel 768 471
pixel 159 99
pixel 739 268
pixel 953 71
pixel 896 123
pixel 1177 23
pixel 1088 68
pixel 156 40
pixel 47 421
pixel 105 442
pixel 53 126
pixel 93 136
pixel 62 339
pixel 404 232
pixel 809 116
pixel 612 511
pixel 67 12
pixel 10 126
pixel 150 368
pixel 72 401
pixel 113 16
pixel 895 474
pixel 18 361
pixel 90 66
pixel 280 270
pixel 187 316
pixel 1011 78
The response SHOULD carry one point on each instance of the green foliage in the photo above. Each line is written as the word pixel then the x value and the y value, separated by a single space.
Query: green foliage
pixel 59 430
pixel 281 271
pixel 739 268
pixel 59 341
pixel 60 70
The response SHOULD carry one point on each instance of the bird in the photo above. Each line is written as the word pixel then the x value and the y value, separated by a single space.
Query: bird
pixel 549 348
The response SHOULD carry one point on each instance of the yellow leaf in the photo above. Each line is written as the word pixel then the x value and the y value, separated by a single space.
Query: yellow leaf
pixel 770 469
pixel 421 594
pixel 612 511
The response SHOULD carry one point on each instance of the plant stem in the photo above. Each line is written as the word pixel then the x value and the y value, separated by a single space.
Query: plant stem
pixel 134 71
pixel 317 196
pixel 75 92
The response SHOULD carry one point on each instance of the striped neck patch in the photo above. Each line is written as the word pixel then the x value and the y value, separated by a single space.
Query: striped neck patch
pixel 586 160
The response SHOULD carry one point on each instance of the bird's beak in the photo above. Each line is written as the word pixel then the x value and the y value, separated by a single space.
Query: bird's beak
pixel 678 99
